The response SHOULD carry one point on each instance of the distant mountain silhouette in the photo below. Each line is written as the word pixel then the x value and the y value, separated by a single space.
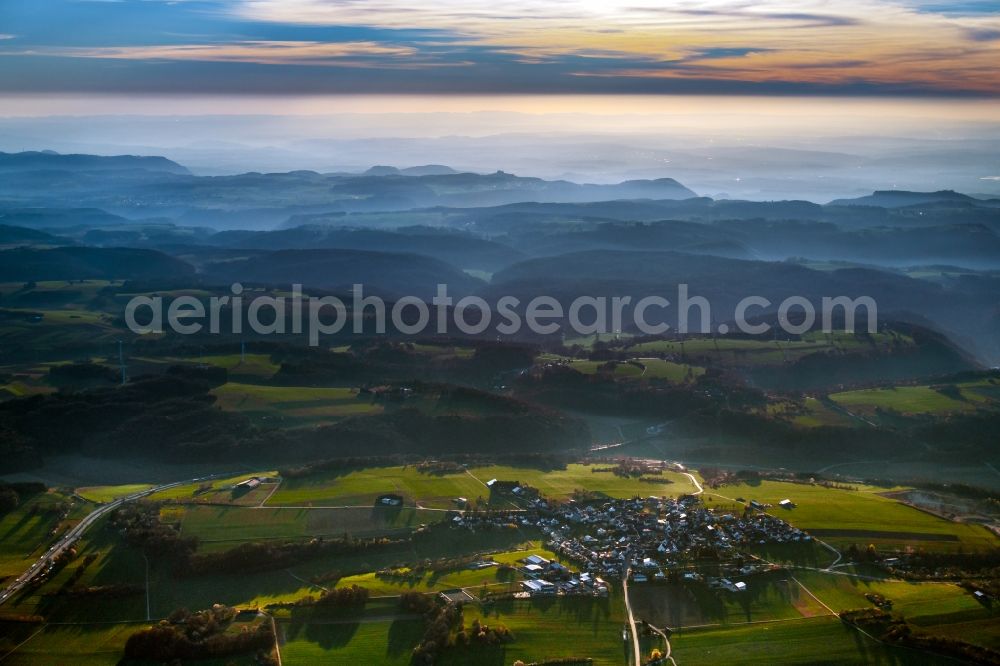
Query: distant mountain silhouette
pixel 21 236
pixel 77 263
pixel 51 161
pixel 898 198
pixel 423 170
pixel 44 218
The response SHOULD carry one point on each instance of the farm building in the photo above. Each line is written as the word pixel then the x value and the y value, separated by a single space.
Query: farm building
pixel 534 587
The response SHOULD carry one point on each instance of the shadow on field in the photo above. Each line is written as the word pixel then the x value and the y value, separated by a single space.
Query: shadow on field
pixel 404 635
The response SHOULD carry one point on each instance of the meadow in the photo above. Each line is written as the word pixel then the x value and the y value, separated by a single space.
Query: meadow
pixel 218 491
pixel 260 588
pixel 548 629
pixel 220 527
pixel 473 580
pixel 768 597
pixel 817 640
pixel 923 603
pixel 810 413
pixel 641 368
pixel 293 406
pixel 240 367
pixel 57 645
pixel 362 487
pixel 382 639
pixel 25 532
pixel 103 494
pixel 860 516
pixel 923 399
pixel 739 351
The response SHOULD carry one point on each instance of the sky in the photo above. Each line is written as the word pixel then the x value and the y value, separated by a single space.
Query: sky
pixel 485 47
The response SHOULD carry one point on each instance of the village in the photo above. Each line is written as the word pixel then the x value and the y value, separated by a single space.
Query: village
pixel 651 540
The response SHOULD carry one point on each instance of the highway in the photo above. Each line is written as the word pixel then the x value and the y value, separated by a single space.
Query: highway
pixel 71 536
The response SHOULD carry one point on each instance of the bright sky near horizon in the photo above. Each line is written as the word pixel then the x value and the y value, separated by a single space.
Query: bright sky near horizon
pixel 296 47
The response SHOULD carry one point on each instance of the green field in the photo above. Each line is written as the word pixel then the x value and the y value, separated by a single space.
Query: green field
pixel 810 413
pixel 217 491
pixel 242 589
pixel 223 527
pixel 252 367
pixel 738 351
pixel 25 532
pixel 905 399
pixel 57 645
pixel 768 597
pixel 862 516
pixel 103 494
pixel 86 644
pixel 547 629
pixel 293 405
pixel 362 487
pixel 369 640
pixel 918 602
pixel 916 399
pixel 561 483
pixel 381 634
pixel 641 368
pixel 474 579
pixel 818 640
pixel 113 563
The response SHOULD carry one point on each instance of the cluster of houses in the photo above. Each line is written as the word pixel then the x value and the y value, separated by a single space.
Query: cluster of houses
pixel 652 534
pixel 547 577
pixel 650 537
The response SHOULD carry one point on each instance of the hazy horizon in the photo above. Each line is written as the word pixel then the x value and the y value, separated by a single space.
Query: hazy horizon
pixel 816 148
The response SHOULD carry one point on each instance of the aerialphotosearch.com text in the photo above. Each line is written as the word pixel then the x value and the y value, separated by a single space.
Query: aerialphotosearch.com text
pixel 317 316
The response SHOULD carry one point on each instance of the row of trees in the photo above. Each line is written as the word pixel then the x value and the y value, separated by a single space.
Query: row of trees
pixel 894 630
pixel 203 635
pixel 445 628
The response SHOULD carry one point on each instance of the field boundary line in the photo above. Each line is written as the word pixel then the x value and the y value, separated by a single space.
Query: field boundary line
pixel 264 501
pixel 307 582
pixel 19 645
pixel 721 625
pixel 817 599
pixel 277 648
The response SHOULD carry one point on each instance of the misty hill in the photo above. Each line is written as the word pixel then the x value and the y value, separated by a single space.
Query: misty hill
pixel 897 198
pixel 76 263
pixel 157 187
pixel 385 273
pixel 689 237
pixel 389 192
pixel 21 236
pixel 42 218
pixel 423 170
pixel 916 352
pixel 964 312
pixel 512 217
pixel 52 161
pixel 559 231
pixel 459 249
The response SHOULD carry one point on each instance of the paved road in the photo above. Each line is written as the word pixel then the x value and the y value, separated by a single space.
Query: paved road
pixel 637 651
pixel 696 484
pixel 70 537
